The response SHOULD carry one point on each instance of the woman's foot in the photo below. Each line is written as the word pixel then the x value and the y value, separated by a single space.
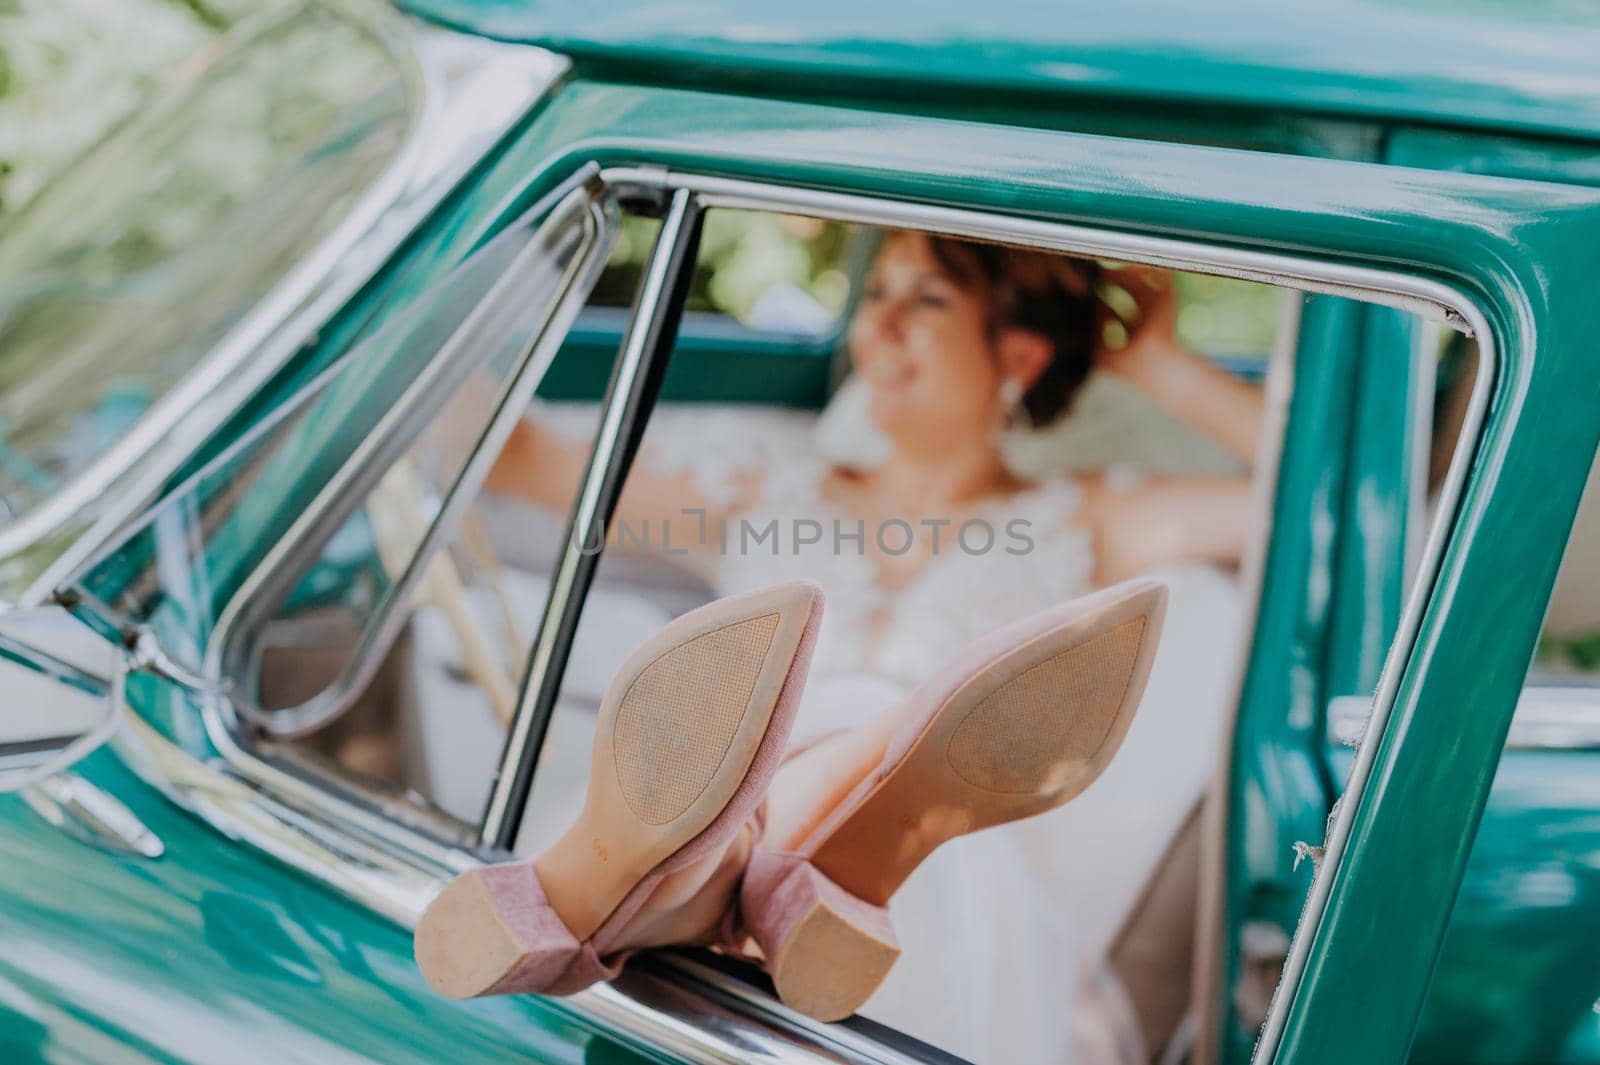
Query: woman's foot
pixel 1024 722
pixel 689 735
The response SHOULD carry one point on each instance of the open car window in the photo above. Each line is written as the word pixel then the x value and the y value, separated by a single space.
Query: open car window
pixel 729 492
pixel 737 487
pixel 783 275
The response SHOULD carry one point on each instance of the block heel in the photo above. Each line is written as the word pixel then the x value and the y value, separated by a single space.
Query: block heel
pixel 826 949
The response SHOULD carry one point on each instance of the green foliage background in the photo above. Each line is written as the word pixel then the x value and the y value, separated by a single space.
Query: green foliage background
pixel 69 69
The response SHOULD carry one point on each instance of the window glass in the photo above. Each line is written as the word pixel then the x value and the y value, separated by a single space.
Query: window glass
pixel 1411 410
pixel 783 274
pixel 293 572
pixel 129 268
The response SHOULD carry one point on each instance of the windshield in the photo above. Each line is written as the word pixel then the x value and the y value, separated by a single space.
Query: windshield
pixel 141 259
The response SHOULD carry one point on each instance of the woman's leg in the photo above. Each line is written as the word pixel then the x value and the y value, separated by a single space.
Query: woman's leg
pixel 811 784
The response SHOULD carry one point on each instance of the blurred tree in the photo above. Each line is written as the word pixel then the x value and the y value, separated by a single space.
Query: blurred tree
pixel 70 69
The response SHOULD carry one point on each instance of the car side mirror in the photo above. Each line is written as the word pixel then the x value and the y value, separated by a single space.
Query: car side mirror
pixel 59 689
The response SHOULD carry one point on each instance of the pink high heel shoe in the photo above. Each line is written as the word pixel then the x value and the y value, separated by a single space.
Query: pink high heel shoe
pixel 1021 723
pixel 690 732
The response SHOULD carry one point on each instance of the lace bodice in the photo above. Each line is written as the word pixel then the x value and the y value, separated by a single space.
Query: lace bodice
pixel 956 597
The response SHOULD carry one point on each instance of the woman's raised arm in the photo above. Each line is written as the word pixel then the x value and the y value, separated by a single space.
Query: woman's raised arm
pixel 1168 521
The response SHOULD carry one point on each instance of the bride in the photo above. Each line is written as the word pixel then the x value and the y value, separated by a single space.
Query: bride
pixel 954 344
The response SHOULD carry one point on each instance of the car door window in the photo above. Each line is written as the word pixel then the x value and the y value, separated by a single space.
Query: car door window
pixel 1397 481
pixel 734 491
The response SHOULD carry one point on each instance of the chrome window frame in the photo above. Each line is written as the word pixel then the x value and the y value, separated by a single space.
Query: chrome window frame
pixel 355 847
pixel 641 361
pixel 247 611
pixel 467 93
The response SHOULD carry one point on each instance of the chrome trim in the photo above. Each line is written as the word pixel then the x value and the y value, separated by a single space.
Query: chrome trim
pixel 398 842
pixel 644 1022
pixel 706 1013
pixel 1429 299
pixel 1548 718
pixel 92 815
pixel 745 997
pixel 469 92
pixel 602 484
pixel 321 839
pixel 239 620
pixel 77 747
pixel 36 655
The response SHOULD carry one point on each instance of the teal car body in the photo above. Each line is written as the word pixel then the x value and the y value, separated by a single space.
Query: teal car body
pixel 1458 148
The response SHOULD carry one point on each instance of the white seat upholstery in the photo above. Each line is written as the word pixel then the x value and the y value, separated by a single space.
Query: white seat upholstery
pixel 458 739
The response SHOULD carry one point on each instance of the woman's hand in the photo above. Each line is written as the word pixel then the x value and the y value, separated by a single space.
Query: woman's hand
pixel 1148 326
pixel 1152 360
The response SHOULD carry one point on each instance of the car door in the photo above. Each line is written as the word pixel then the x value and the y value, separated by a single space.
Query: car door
pixel 1537 825
pixel 1343 1009
pixel 180 915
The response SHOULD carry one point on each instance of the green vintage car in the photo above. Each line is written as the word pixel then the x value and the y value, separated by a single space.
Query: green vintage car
pixel 260 347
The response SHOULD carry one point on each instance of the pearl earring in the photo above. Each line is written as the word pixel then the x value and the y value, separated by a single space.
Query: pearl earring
pixel 1010 397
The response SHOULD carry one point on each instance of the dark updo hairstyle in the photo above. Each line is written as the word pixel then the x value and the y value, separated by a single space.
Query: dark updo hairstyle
pixel 1040 292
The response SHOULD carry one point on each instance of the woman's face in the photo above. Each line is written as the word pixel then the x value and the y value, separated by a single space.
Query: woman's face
pixel 923 345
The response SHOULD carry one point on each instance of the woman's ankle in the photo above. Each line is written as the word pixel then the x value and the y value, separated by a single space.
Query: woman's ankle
pixel 811 784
